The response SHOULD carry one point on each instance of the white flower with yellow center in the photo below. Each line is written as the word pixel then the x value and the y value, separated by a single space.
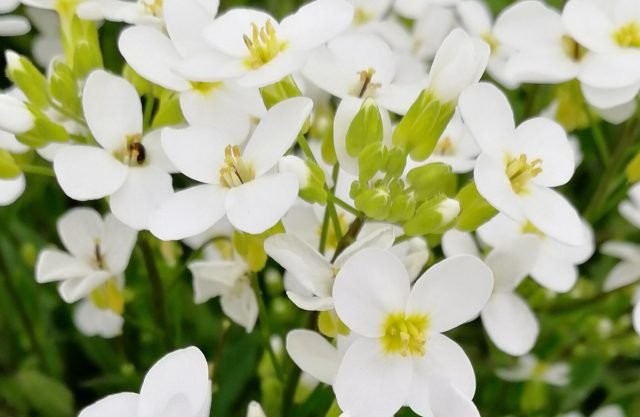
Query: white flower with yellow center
pixel 240 183
pixel 98 253
pixel 555 263
pixel 176 385
pixel 611 32
pixel 259 51
pixel 399 355
pixel 12 25
pixel 156 56
pixel 128 167
pixel 517 167
pixel 135 12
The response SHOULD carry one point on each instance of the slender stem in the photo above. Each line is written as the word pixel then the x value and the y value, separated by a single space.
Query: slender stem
pixel 614 167
pixel 37 170
pixel 217 359
pixel 14 295
pixel 401 238
pixel 342 204
pixel 157 290
pixel 302 141
pixel 598 136
pixel 588 302
pixel 335 221
pixel 324 231
pixel 348 237
pixel 148 110
pixel 265 328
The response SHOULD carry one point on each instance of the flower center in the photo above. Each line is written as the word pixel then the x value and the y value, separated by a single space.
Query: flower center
pixel 367 88
pixel 405 335
pixel 492 41
pixel 108 296
pixel 235 170
pixel 628 36
pixel 445 147
pixel 361 16
pixel 520 172
pixel 205 88
pixel 153 7
pixel 573 49
pixel 263 45
pixel 134 153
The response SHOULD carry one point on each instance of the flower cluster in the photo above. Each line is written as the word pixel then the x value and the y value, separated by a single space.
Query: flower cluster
pixel 398 178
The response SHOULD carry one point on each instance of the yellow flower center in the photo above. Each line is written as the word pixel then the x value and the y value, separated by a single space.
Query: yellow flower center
pixel 520 172
pixel 445 147
pixel 628 36
pixel 263 45
pixel 361 16
pixel 108 296
pixel 153 7
pixel 235 170
pixel 573 49
pixel 203 87
pixel 405 335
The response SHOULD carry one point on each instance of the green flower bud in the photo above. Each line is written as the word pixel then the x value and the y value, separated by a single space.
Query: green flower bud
pixel 435 215
pixel 310 177
pixel 403 207
pixel 375 203
pixel 251 247
pixel 43 132
pixel 169 112
pixel 370 161
pixel 8 166
pixel 396 161
pixel 28 78
pixel 422 126
pixel 534 397
pixel 280 91
pixel 366 128
pixel 633 169
pixel 429 180
pixel 86 53
pixel 475 210
pixel 64 88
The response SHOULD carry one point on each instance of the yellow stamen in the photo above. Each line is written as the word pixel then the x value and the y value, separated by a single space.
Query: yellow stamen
pixel 108 296
pixel 628 36
pixel 492 41
pixel 203 87
pixel 405 335
pixel 235 170
pixel 520 172
pixel 445 147
pixel 153 7
pixel 573 49
pixel 263 45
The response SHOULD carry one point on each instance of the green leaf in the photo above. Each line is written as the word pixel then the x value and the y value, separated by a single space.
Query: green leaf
pixel 48 397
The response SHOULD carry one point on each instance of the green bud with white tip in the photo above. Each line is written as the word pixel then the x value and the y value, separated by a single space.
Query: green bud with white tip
pixel 25 75
pixel 310 176
pixel 435 215
pixel 8 166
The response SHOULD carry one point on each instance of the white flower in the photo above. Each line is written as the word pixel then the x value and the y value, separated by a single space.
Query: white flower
pixel 314 355
pixel 413 9
pixel 12 25
pixel 258 51
pixel 98 253
pixel 630 209
pixel 14 116
pixel 430 30
pixel 225 274
pixel 127 166
pixel 611 32
pixel 529 368
pixel 136 12
pixel 459 62
pixel 255 410
pixel 517 167
pixel 399 355
pixel 156 56
pixel 312 272
pixel 46 43
pixel 177 385
pixel 507 318
pixel 626 272
pixel 238 183
pixel 555 263
pixel 11 189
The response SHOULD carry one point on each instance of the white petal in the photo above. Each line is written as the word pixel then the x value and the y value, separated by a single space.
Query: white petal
pixel 188 212
pixel 622 250
pixel 550 212
pixel 72 290
pixel 487 114
pixel 276 133
pixel 14 26
pixel 7 6
pixel 182 373
pixel 92 321
pixel 9 143
pixel 371 285
pixel 499 231
pixel 558 275
pixel 112 109
pixel 544 139
pixel 241 306
pixel 455 242
pixel 226 32
pixel 447 400
pixel 371 383
pixel 612 410
pixel 79 229
pixel 588 25
pixel 636 318
pixel 117 243
pixel 214 278
pixel 510 323
pixel 155 155
pixel 123 405
pixel 14 116
pixel 512 262
pixel 11 189
pixel 286 63
pixel 88 173
pixel 529 25
pixel 313 354
pixel 259 204
pixel 616 70
pixel 316 23
pixel 152 55
pixel 55 265
pixel 623 274
pixel 142 193
pixel 307 266
pixel 381 238
pixel 197 152
pixel 494 185
pixel 612 99
pixel 617 114
pixel 311 303
pixel 451 292
pixel 186 20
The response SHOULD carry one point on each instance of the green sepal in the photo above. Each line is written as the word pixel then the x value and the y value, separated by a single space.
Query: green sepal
pixel 633 169
pixel 142 86
pixel 474 209
pixel 64 88
pixel 314 191
pixel 366 128
pixel 370 161
pixel 429 218
pixel 432 179
pixel 8 166
pixel 375 202
pixel 25 75
pixel 43 132
pixel 251 247
pixel 169 112
pixel 280 91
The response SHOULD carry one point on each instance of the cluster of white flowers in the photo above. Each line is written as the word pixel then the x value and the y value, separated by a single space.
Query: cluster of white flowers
pixel 361 153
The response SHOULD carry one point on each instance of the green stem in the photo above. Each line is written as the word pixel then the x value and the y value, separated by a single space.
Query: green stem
pixel 589 302
pixel 349 237
pixel 342 204
pixel 598 136
pixel 302 141
pixel 157 290
pixel 265 327
pixel 324 231
pixel 148 110
pixel 37 170
pixel 335 221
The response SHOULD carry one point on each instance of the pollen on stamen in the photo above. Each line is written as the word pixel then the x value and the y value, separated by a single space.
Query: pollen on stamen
pixel 520 172
pixel 263 45
pixel 235 171
pixel 405 335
